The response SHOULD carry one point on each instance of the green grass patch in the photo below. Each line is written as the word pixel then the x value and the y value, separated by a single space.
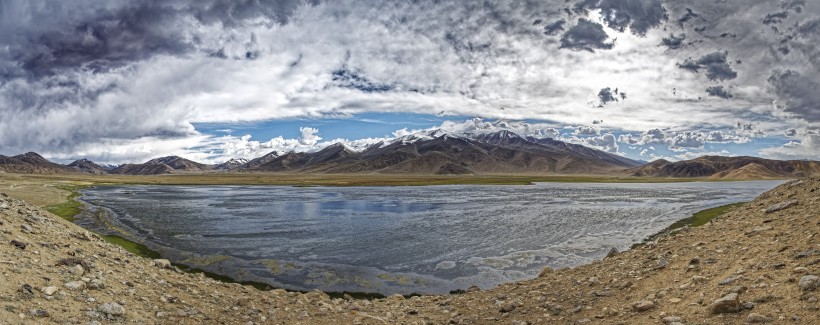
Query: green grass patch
pixel 698 219
pixel 71 207
pixel 703 217
pixel 131 247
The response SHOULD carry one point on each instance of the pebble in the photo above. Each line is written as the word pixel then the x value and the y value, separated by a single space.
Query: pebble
pixel 48 291
pixel 75 285
pixel 38 313
pixel 76 270
pixel 162 263
pixel 96 284
pixel 758 318
pixel 19 244
pixel 112 309
pixel 809 282
pixel 643 305
pixel 727 304
pixel 727 281
pixel 671 319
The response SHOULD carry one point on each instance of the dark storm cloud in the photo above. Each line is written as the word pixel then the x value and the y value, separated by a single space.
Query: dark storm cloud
pixel 110 38
pixel 638 15
pixel 608 95
pixel 346 78
pixel 796 5
pixel 673 42
pixel 689 15
pixel 775 18
pixel 586 36
pixel 799 94
pixel 719 91
pixel 715 64
pixel 555 27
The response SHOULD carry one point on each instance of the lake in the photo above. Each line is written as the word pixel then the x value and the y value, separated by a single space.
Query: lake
pixel 430 239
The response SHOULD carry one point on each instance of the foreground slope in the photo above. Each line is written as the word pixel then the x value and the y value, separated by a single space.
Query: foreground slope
pixel 766 252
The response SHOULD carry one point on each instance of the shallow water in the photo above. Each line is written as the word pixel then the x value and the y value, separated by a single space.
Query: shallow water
pixel 429 239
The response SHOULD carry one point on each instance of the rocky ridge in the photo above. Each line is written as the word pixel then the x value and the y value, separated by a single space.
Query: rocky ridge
pixel 756 264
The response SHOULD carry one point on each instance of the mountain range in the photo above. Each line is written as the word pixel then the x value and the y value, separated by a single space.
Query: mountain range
pixel 437 152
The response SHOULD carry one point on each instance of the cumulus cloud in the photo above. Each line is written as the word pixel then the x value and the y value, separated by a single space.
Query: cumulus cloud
pixel 309 136
pixel 808 147
pixel 605 142
pixel 140 75
pixel 587 130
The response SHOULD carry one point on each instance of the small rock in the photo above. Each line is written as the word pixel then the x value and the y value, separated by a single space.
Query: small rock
pixel 75 285
pixel 699 279
pixel 671 319
pixel 780 206
pixel 508 307
pixel 76 270
pixel 643 305
pixel 162 263
pixel 473 288
pixel 48 291
pixel 727 281
pixel 554 308
pixel 19 244
pixel 26 228
pixel 805 254
pixel 800 270
pixel 38 313
pixel 727 304
pixel 112 309
pixel 674 300
pixel 809 282
pixel 96 284
pixel 26 289
pixel 758 318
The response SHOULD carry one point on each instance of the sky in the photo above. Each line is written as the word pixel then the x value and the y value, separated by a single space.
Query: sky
pixel 128 80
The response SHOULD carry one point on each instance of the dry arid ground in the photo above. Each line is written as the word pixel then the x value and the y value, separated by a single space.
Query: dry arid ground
pixel 757 264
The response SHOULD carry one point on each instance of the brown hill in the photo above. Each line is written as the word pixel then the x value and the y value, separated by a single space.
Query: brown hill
pixel 729 168
pixel 88 167
pixel 31 163
pixel 164 165
pixel 500 152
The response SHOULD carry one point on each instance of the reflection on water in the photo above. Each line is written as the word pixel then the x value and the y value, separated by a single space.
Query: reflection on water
pixel 430 239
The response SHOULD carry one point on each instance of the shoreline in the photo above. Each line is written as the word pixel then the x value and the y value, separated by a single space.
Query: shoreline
pixel 128 242
pixel 758 262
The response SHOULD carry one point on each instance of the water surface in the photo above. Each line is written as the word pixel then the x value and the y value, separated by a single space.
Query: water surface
pixel 429 239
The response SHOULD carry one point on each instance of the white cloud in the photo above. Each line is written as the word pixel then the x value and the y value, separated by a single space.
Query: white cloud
pixel 807 148
pixel 309 136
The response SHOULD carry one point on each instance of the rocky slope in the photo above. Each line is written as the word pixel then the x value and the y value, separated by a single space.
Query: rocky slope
pixel 729 168
pixel 756 264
